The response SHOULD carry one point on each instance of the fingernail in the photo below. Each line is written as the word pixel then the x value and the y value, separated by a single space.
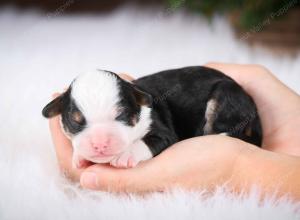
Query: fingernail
pixel 89 180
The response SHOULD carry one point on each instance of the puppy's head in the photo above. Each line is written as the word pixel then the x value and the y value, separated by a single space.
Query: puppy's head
pixel 102 115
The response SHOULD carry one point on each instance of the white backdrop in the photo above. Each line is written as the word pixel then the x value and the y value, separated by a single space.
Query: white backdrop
pixel 41 53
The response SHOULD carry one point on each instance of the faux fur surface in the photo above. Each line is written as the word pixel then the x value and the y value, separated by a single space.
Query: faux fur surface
pixel 41 54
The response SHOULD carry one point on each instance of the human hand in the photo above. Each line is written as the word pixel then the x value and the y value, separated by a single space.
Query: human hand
pixel 207 161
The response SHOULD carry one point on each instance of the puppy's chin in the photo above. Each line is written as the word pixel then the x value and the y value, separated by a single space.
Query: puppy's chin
pixel 101 159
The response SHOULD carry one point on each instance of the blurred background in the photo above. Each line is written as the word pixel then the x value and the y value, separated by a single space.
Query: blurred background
pixel 273 24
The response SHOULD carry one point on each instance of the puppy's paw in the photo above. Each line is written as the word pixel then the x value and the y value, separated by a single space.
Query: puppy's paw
pixel 124 160
pixel 130 158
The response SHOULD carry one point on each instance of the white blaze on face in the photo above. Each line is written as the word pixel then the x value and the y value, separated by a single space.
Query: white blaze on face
pixel 96 94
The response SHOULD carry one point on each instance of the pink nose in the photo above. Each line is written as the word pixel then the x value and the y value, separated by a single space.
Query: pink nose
pixel 99 147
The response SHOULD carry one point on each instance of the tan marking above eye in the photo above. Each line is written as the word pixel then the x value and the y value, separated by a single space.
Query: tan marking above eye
pixel 77 116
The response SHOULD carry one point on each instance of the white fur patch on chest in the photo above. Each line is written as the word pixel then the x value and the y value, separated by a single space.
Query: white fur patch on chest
pixel 96 94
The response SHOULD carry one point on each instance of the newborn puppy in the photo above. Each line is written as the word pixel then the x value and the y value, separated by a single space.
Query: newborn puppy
pixel 110 120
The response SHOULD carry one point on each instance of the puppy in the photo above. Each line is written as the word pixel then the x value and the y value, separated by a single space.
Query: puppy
pixel 110 120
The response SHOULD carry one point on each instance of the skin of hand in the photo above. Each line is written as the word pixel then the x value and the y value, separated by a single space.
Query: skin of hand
pixel 212 160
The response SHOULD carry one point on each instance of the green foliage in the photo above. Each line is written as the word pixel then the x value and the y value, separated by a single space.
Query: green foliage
pixel 250 13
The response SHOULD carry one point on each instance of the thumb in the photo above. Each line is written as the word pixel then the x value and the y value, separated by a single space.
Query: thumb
pixel 107 178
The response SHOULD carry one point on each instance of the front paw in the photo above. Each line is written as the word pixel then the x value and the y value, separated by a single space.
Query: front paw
pixel 124 160
pixel 130 158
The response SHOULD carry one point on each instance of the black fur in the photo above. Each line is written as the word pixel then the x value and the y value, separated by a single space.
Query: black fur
pixel 66 106
pixel 70 125
pixel 131 100
pixel 180 99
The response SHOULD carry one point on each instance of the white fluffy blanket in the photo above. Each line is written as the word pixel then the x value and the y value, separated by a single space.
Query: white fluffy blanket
pixel 41 53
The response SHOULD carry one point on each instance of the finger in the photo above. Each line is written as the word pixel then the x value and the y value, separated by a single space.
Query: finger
pixel 242 73
pixel 63 146
pixel 63 149
pixel 134 180
pixel 126 77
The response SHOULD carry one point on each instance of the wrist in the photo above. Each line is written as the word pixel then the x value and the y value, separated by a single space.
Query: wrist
pixel 269 172
pixel 243 167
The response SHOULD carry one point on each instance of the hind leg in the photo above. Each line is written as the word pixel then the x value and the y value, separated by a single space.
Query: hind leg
pixel 211 116
pixel 232 112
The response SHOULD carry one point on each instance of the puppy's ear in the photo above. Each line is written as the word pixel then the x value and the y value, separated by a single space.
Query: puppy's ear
pixel 54 107
pixel 142 97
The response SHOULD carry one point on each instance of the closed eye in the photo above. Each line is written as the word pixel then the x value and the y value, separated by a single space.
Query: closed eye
pixel 77 120
pixel 127 117
pixel 77 117
pixel 121 117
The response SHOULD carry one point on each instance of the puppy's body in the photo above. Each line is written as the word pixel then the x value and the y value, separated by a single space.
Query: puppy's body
pixel 111 120
pixel 196 101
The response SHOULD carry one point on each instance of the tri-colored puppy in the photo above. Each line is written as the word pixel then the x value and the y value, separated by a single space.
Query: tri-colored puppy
pixel 110 120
